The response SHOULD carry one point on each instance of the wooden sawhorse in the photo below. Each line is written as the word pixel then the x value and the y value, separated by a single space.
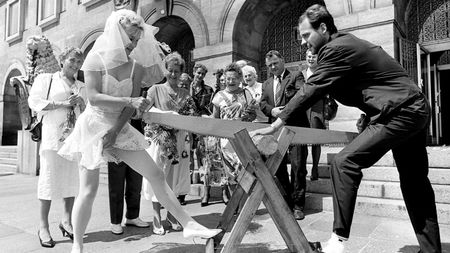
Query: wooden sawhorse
pixel 260 187
pixel 256 182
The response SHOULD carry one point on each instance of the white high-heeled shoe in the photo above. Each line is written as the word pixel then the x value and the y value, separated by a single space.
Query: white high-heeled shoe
pixel 194 229
pixel 334 245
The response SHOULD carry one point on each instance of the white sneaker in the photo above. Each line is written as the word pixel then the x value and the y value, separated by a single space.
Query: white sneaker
pixel 116 229
pixel 137 223
pixel 334 245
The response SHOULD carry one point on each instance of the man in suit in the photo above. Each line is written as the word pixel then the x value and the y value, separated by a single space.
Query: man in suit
pixel 360 74
pixel 276 93
pixel 123 181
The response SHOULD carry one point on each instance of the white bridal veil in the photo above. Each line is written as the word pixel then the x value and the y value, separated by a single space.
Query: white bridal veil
pixel 110 46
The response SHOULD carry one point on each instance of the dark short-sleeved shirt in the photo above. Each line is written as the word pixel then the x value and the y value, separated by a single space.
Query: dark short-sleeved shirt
pixel 202 99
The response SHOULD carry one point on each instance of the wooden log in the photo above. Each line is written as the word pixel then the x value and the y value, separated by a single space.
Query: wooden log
pixel 266 144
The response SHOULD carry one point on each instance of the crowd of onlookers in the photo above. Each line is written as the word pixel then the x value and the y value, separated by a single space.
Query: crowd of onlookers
pixel 184 157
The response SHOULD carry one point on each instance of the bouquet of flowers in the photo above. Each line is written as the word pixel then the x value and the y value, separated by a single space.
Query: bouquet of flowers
pixel 165 136
pixel 249 113
pixel 40 57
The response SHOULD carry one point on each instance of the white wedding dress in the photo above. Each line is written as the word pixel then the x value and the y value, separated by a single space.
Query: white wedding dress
pixel 85 143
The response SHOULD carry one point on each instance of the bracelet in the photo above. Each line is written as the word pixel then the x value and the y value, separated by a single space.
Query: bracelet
pixel 273 125
pixel 130 102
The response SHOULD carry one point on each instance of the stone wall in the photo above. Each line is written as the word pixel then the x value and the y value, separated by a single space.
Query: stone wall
pixel 213 24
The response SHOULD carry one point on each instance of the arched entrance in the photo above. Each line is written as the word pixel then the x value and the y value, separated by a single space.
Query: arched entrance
pixel 176 33
pixel 428 26
pixel 268 24
pixel 282 35
pixel 11 119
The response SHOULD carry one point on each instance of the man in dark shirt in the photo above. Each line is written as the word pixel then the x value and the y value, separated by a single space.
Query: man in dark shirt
pixel 200 92
pixel 360 74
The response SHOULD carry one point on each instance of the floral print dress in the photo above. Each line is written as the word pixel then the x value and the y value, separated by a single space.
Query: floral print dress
pixel 236 105
pixel 169 147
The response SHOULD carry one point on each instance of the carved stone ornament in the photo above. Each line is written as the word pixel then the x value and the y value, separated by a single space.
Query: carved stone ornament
pixel 124 4
pixel 21 89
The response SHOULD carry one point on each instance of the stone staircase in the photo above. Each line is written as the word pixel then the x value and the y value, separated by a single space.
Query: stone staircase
pixel 379 193
pixel 8 159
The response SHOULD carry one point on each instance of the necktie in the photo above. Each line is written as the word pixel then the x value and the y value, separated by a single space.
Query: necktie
pixel 278 91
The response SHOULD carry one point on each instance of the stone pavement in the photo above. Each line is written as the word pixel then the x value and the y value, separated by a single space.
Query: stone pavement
pixel 19 223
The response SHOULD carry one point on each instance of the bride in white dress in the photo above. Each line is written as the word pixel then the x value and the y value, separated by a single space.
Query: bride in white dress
pixel 114 69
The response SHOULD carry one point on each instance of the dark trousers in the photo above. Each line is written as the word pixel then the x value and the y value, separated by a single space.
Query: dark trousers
pixel 123 181
pixel 295 188
pixel 404 132
pixel 196 142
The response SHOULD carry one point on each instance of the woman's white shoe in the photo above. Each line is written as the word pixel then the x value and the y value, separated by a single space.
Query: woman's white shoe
pixel 334 245
pixel 193 229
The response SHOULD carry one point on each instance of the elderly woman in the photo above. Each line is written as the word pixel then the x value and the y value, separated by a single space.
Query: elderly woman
pixel 114 69
pixel 59 98
pixel 233 103
pixel 168 145
pixel 255 89
pixel 185 81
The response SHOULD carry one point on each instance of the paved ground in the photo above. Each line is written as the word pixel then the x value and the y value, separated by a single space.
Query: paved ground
pixel 19 224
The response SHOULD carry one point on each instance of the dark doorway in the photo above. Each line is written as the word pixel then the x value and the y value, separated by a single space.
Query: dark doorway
pixel 176 33
pixel 445 105
pixel 11 118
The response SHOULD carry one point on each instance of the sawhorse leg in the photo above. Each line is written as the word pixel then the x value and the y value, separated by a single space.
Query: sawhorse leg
pixel 246 183
pixel 266 191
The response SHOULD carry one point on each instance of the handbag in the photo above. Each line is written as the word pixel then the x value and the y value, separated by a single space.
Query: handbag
pixel 330 108
pixel 36 125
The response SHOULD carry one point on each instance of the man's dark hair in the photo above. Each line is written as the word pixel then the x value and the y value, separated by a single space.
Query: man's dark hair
pixel 318 14
pixel 233 67
pixel 273 53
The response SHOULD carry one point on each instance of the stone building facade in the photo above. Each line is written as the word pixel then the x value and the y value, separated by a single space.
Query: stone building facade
pixel 216 33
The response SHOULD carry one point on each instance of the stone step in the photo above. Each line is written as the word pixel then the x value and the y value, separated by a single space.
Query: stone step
pixel 374 206
pixel 9 161
pixel 393 208
pixel 378 189
pixel 8 149
pixel 8 154
pixel 438 157
pixel 439 176
pixel 7 169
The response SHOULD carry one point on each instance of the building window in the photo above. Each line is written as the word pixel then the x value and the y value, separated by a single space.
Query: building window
pixel 14 20
pixel 48 12
pixel 88 3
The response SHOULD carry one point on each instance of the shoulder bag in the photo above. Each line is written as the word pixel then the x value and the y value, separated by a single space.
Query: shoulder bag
pixel 36 126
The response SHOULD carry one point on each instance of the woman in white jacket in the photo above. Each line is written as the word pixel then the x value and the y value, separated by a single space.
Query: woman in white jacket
pixel 58 98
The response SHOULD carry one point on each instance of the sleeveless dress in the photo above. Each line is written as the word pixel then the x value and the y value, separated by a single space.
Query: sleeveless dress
pixel 85 143
pixel 233 106
pixel 177 175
